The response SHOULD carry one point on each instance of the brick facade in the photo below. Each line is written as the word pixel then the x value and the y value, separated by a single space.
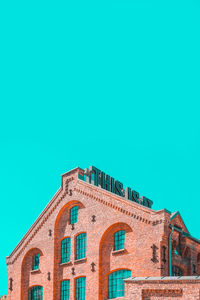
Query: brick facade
pixel 101 214
pixel 184 288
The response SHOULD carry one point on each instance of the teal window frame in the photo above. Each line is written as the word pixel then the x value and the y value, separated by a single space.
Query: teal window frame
pixel 74 214
pixel 81 245
pixel 35 293
pixel 36 261
pixel 116 283
pixel 66 250
pixel 119 240
pixel 81 288
pixel 65 290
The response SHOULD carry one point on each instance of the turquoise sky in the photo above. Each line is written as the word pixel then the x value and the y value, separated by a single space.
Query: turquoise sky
pixel 114 84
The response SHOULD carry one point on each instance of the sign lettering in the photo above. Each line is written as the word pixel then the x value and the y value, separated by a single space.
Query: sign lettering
pixel 97 177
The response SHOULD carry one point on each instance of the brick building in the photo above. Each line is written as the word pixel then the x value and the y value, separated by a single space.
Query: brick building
pixel 93 235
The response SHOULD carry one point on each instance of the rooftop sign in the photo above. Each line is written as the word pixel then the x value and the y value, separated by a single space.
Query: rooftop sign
pixel 97 177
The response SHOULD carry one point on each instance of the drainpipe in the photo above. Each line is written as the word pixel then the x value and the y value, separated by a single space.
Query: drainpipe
pixel 170 252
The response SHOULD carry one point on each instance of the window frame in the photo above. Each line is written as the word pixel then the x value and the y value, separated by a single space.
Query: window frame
pixel 80 253
pixel 39 292
pixel 178 270
pixel 119 240
pixel 80 297
pixel 117 293
pixel 36 262
pixel 67 290
pixel 73 214
pixel 66 256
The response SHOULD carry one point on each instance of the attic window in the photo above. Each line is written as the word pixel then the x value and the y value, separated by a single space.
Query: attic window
pixel 74 214
pixel 36 262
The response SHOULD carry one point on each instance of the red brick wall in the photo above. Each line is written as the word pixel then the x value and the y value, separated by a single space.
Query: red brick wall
pixel 144 227
pixel 162 290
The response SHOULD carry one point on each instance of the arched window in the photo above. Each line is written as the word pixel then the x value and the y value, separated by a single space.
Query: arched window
pixel 116 283
pixel 66 250
pixel 65 290
pixel 119 240
pixel 198 258
pixel 35 293
pixel 81 246
pixel 176 271
pixel 81 288
pixel 74 214
pixel 36 261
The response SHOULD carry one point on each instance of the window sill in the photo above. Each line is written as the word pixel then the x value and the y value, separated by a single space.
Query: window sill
pixel 35 271
pixel 115 252
pixel 66 263
pixel 81 260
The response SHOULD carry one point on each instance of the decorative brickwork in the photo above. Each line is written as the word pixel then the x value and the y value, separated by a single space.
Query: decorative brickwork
pixel 162 288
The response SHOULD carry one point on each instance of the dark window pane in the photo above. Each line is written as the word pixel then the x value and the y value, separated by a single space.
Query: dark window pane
pixel 176 271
